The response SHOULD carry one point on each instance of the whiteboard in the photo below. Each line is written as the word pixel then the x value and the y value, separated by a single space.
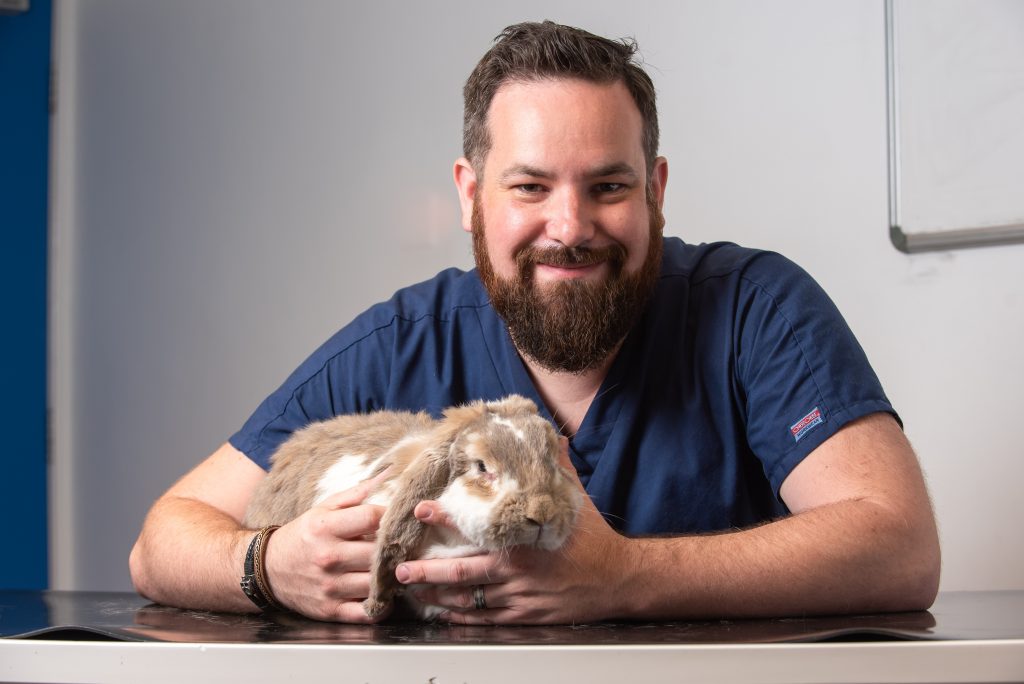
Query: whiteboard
pixel 956 123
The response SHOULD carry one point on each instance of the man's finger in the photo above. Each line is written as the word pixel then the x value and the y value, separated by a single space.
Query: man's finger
pixel 563 454
pixel 468 570
pixel 566 463
pixel 463 597
pixel 352 612
pixel 491 616
pixel 347 557
pixel 355 522
pixel 355 495
pixel 432 513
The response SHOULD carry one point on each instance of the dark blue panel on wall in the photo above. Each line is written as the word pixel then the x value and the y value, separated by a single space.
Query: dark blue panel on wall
pixel 24 156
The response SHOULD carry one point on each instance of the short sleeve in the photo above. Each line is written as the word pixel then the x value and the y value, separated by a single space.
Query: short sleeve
pixel 801 371
pixel 418 351
pixel 346 375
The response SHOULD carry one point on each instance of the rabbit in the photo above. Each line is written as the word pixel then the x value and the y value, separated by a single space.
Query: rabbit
pixel 493 466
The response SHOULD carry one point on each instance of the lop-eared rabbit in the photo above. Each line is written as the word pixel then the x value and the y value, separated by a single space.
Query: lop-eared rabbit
pixel 493 466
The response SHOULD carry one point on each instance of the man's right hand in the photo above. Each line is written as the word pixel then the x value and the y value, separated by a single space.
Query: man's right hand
pixel 318 564
pixel 191 548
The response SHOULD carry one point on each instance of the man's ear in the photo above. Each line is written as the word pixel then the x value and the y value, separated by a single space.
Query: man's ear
pixel 465 183
pixel 659 178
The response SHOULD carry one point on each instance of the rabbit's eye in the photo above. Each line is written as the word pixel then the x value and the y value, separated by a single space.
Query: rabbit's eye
pixel 480 467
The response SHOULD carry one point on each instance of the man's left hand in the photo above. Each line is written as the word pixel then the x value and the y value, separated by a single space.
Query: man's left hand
pixel 584 581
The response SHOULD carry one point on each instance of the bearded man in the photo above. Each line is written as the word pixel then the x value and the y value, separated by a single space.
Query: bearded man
pixel 701 389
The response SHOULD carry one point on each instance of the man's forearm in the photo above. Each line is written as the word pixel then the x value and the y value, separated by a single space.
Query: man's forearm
pixel 190 555
pixel 874 561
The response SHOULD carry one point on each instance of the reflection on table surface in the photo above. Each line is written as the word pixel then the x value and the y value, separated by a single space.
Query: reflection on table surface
pixel 126 616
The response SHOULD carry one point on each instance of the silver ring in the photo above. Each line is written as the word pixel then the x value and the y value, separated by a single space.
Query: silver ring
pixel 478 598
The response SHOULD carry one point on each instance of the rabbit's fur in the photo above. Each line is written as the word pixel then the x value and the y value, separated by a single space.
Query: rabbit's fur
pixel 493 466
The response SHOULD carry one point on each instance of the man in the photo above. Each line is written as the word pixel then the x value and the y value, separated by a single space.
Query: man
pixel 702 389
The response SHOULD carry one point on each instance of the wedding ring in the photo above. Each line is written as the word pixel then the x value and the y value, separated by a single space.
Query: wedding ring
pixel 478 598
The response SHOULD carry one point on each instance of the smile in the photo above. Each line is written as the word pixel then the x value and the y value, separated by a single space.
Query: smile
pixel 566 271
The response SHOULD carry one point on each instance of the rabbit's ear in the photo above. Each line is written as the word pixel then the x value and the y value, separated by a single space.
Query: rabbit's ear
pixel 458 418
pixel 512 405
pixel 400 532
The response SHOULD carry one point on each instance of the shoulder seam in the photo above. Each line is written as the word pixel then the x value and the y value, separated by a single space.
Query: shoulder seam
pixel 395 317
pixel 799 342
pixel 736 268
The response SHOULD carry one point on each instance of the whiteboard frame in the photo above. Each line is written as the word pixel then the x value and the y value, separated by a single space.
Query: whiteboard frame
pixel 925 241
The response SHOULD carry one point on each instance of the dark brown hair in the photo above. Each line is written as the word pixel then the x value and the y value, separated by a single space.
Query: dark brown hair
pixel 533 51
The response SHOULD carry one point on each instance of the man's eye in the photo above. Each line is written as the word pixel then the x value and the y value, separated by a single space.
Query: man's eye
pixel 530 188
pixel 606 188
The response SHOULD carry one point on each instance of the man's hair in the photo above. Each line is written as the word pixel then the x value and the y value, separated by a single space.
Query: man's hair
pixel 534 51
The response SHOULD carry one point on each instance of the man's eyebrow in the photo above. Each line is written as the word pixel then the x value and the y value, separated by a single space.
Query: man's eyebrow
pixel 613 169
pixel 523 170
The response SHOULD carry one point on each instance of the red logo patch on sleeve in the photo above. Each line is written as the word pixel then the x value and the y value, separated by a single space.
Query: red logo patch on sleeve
pixel 805 424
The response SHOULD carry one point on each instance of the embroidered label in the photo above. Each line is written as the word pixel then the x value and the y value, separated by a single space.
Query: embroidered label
pixel 805 424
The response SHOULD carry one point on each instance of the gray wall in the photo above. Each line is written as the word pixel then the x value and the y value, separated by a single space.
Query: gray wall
pixel 235 180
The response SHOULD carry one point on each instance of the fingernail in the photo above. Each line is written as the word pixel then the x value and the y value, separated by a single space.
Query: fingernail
pixel 402 573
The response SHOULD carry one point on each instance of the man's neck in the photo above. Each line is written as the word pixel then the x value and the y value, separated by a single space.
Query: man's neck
pixel 568 395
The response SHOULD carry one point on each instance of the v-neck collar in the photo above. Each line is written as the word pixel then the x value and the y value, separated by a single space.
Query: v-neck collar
pixel 587 445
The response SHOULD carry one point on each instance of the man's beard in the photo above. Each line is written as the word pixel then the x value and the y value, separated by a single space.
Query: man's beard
pixel 571 326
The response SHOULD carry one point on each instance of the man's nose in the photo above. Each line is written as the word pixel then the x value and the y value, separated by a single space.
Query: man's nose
pixel 569 221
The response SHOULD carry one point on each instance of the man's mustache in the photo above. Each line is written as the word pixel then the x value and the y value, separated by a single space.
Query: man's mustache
pixel 570 256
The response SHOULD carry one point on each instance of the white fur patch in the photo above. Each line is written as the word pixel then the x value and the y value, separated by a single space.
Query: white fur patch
pixel 427 612
pixel 384 495
pixel 347 472
pixel 474 448
pixel 470 513
pixel 505 422
pixel 351 469
pixel 506 487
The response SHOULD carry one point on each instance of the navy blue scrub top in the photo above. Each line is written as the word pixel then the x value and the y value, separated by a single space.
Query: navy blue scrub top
pixel 740 366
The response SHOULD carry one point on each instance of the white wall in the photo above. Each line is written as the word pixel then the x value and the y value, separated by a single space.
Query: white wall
pixel 235 180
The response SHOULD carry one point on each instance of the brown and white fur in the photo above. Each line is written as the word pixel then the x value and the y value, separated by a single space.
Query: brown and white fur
pixel 493 466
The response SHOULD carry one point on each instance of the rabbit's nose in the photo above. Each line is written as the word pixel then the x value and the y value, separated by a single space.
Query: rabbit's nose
pixel 540 511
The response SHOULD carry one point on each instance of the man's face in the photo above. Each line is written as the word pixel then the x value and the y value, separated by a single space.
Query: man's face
pixel 566 231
